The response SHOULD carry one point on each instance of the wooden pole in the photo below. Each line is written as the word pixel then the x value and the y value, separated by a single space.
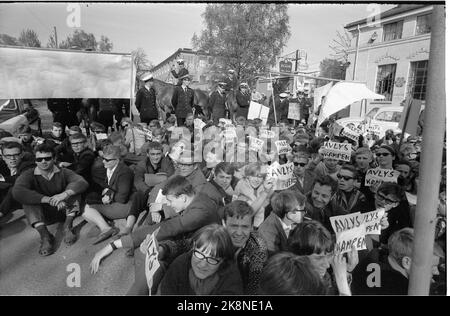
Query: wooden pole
pixel 131 85
pixel 431 159
pixel 273 99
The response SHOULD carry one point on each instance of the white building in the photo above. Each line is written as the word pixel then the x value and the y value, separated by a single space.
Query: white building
pixel 391 54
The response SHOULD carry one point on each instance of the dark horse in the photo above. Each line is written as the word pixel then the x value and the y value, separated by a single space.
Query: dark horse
pixel 164 92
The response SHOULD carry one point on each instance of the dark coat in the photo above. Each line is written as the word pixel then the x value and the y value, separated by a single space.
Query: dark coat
pixel 273 234
pixel 323 215
pixel 176 279
pixel 82 163
pixel 216 105
pixel 9 180
pixel 121 183
pixel 146 104
pixel 281 107
pixel 64 110
pixel 145 167
pixel 181 73
pixel 182 102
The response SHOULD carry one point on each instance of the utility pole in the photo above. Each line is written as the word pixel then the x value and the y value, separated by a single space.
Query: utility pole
pixel 431 160
pixel 296 60
pixel 56 37
pixel 356 55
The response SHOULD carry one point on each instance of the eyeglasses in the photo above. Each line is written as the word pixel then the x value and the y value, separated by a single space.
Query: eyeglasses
pixel 78 143
pixel 340 176
pixel 16 156
pixel 301 164
pixel 108 160
pixel 382 154
pixel 40 159
pixel 383 198
pixel 210 260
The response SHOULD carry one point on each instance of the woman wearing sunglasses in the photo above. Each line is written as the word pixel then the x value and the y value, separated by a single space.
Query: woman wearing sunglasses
pixel 208 269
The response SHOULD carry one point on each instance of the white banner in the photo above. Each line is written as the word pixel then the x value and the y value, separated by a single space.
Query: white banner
pixel 284 175
pixel 294 111
pixel 30 73
pixel 257 110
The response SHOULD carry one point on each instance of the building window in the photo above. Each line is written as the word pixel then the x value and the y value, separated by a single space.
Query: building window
pixel 392 31
pixel 417 81
pixel 423 25
pixel 385 81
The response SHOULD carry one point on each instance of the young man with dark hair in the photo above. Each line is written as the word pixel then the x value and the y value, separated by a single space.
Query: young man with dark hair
pixel 48 190
pixel 348 196
pixel 222 181
pixel 82 156
pixel 56 136
pixel 23 132
pixel 12 165
pixel 319 202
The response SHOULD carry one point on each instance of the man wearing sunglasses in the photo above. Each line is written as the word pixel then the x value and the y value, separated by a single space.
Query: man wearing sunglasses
pixel 12 165
pixel 385 156
pixel 347 195
pixel 305 176
pixel 82 156
pixel 45 192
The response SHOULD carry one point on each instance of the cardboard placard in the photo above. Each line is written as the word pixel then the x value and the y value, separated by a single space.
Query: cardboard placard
pixel 283 147
pixel 265 133
pixel 294 111
pixel 284 175
pixel 351 133
pixel 255 144
pixel 199 124
pixel 257 110
pixel 339 151
pixel 372 221
pixel 377 175
pixel 151 260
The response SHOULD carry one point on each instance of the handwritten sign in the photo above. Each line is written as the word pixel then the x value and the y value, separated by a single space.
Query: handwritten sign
pixel 294 111
pixel 283 175
pixel 257 110
pixel 151 260
pixel 377 175
pixel 255 144
pixel 375 129
pixel 351 133
pixel 283 147
pixel 101 136
pixel 351 229
pixel 265 133
pixel 198 124
pixel 339 151
pixel 230 133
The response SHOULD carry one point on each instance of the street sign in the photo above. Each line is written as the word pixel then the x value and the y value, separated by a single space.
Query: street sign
pixel 285 66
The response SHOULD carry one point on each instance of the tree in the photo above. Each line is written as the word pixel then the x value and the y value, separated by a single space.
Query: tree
pixel 81 40
pixel 141 62
pixel 29 38
pixel 105 44
pixel 5 39
pixel 332 68
pixel 244 37
pixel 51 41
pixel 341 46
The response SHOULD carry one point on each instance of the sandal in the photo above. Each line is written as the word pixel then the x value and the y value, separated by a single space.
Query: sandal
pixel 46 247
pixel 69 237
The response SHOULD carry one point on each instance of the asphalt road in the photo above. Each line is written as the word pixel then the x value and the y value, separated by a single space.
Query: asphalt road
pixel 24 272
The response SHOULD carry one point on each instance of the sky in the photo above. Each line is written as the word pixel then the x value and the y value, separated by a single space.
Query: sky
pixel 161 28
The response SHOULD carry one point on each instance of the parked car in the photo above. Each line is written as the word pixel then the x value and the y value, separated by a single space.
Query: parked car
pixel 14 112
pixel 377 121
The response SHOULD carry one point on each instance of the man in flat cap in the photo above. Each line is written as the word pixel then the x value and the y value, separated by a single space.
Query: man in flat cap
pixel 183 100
pixel 146 100
pixel 181 71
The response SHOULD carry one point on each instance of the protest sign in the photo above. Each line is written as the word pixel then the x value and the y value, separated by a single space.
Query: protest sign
pixel 350 232
pixel 284 175
pixel 294 111
pixel 377 175
pixel 101 136
pixel 339 151
pixel 199 124
pixel 145 131
pixel 351 133
pixel 230 133
pixel 375 129
pixel 257 110
pixel 372 221
pixel 265 133
pixel 151 260
pixel 283 147
pixel 255 144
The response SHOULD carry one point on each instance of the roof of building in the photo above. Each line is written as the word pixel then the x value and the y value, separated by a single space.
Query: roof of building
pixel 402 8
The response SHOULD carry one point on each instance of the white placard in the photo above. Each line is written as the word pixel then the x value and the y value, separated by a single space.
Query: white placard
pixel 257 110
pixel 339 151
pixel 151 260
pixel 294 111
pixel 283 147
pixel 265 133
pixel 283 175
pixel 255 144
pixel 377 175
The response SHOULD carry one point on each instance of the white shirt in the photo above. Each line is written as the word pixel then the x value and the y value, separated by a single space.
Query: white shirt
pixel 286 228
pixel 109 172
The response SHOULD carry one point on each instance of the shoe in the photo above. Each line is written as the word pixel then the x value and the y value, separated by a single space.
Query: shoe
pixel 47 246
pixel 105 235
pixel 69 237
